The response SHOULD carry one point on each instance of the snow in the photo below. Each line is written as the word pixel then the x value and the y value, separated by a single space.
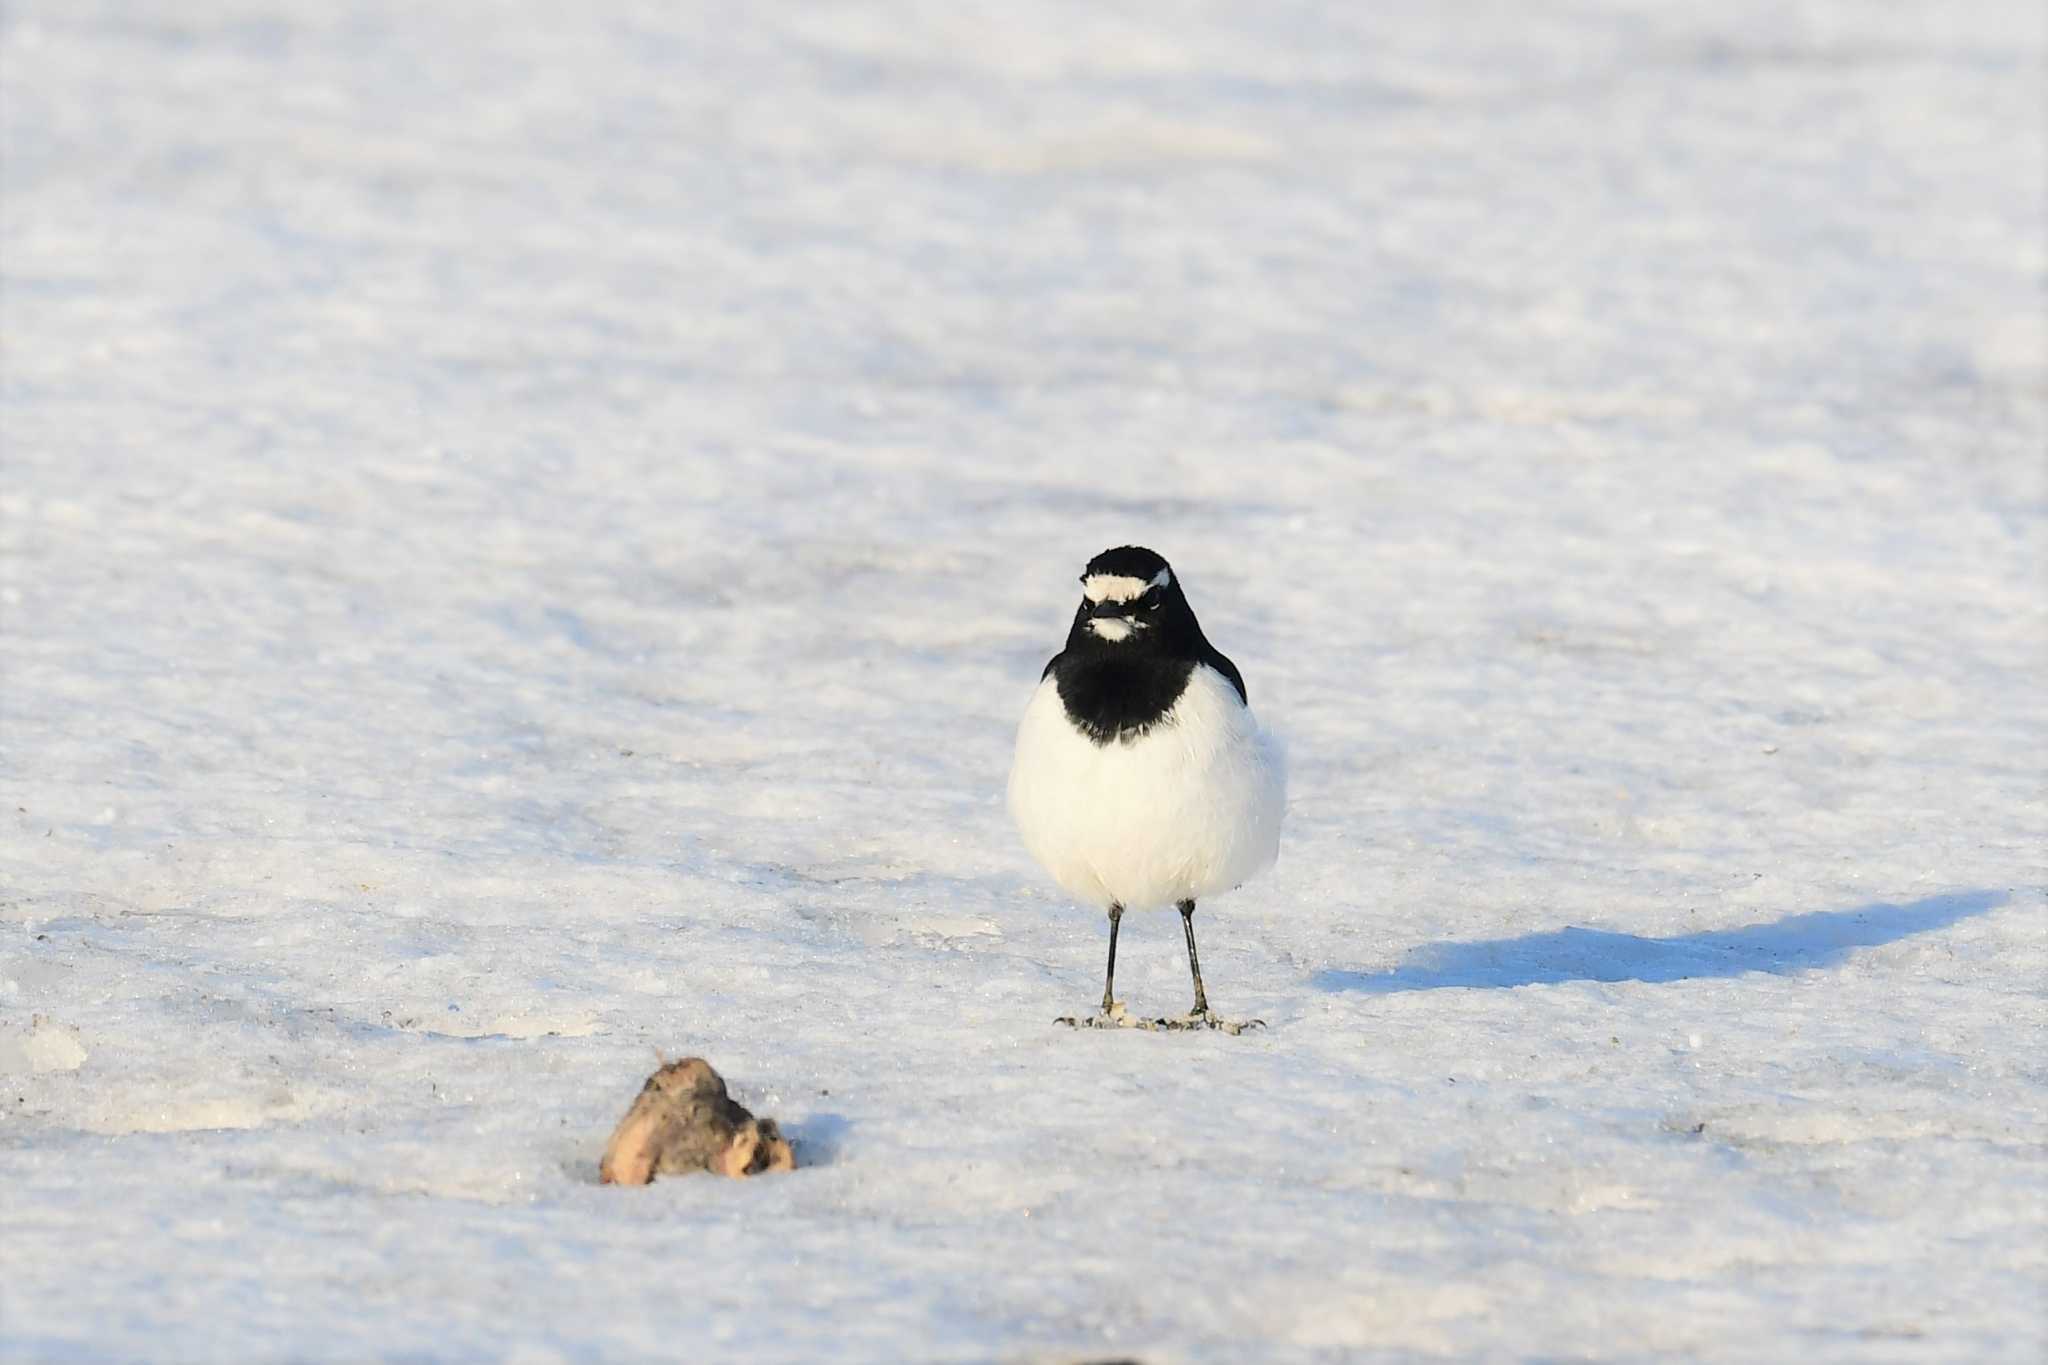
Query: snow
pixel 525 537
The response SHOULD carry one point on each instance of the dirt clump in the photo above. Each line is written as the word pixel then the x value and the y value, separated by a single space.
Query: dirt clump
pixel 684 1121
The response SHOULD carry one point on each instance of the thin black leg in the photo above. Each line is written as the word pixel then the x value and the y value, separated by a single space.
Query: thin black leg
pixel 1116 915
pixel 1187 922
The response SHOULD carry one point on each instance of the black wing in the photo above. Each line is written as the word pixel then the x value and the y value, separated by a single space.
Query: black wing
pixel 1214 658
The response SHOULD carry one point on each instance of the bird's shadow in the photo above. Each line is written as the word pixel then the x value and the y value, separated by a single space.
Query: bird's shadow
pixel 1819 938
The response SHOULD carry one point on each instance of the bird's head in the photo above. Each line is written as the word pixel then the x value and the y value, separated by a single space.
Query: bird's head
pixel 1130 601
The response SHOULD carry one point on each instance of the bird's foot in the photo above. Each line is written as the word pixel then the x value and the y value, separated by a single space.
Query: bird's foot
pixel 1202 1019
pixel 1112 1015
pixel 1116 1016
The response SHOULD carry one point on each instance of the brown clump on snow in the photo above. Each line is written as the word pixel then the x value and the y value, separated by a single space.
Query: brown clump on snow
pixel 684 1121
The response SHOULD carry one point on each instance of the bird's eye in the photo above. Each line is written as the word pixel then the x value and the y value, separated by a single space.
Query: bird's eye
pixel 1153 599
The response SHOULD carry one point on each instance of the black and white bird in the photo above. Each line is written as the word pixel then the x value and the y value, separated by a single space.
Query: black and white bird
pixel 1141 778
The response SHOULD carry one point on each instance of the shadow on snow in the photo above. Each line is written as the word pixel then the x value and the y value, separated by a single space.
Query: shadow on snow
pixel 1821 938
pixel 818 1138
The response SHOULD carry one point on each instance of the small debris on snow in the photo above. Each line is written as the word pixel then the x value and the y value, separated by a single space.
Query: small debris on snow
pixel 684 1121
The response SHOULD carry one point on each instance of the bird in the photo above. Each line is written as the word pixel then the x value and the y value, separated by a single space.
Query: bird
pixel 1141 778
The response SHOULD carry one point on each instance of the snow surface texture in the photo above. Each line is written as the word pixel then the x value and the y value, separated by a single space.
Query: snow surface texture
pixel 527 536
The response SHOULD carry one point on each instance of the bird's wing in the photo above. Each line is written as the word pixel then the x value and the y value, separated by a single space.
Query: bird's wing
pixel 1214 658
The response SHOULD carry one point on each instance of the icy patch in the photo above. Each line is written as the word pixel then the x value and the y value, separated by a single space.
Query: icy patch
pixel 47 1046
pixel 451 1021
pixel 194 1115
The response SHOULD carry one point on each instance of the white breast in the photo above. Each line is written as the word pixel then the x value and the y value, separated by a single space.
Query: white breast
pixel 1190 808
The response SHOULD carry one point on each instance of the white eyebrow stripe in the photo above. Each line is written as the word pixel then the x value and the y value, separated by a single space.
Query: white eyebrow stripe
pixel 1107 587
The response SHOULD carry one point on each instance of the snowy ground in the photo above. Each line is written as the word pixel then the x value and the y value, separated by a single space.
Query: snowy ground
pixel 524 537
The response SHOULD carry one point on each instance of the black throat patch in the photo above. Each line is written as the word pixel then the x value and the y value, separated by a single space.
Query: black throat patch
pixel 1111 699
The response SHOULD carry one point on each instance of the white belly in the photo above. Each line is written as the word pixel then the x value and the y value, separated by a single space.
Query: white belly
pixel 1190 808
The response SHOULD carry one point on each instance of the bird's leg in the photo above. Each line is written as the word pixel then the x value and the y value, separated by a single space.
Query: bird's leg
pixel 1187 922
pixel 1116 914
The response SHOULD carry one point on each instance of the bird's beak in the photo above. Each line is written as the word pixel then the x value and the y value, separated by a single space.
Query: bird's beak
pixel 1114 621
